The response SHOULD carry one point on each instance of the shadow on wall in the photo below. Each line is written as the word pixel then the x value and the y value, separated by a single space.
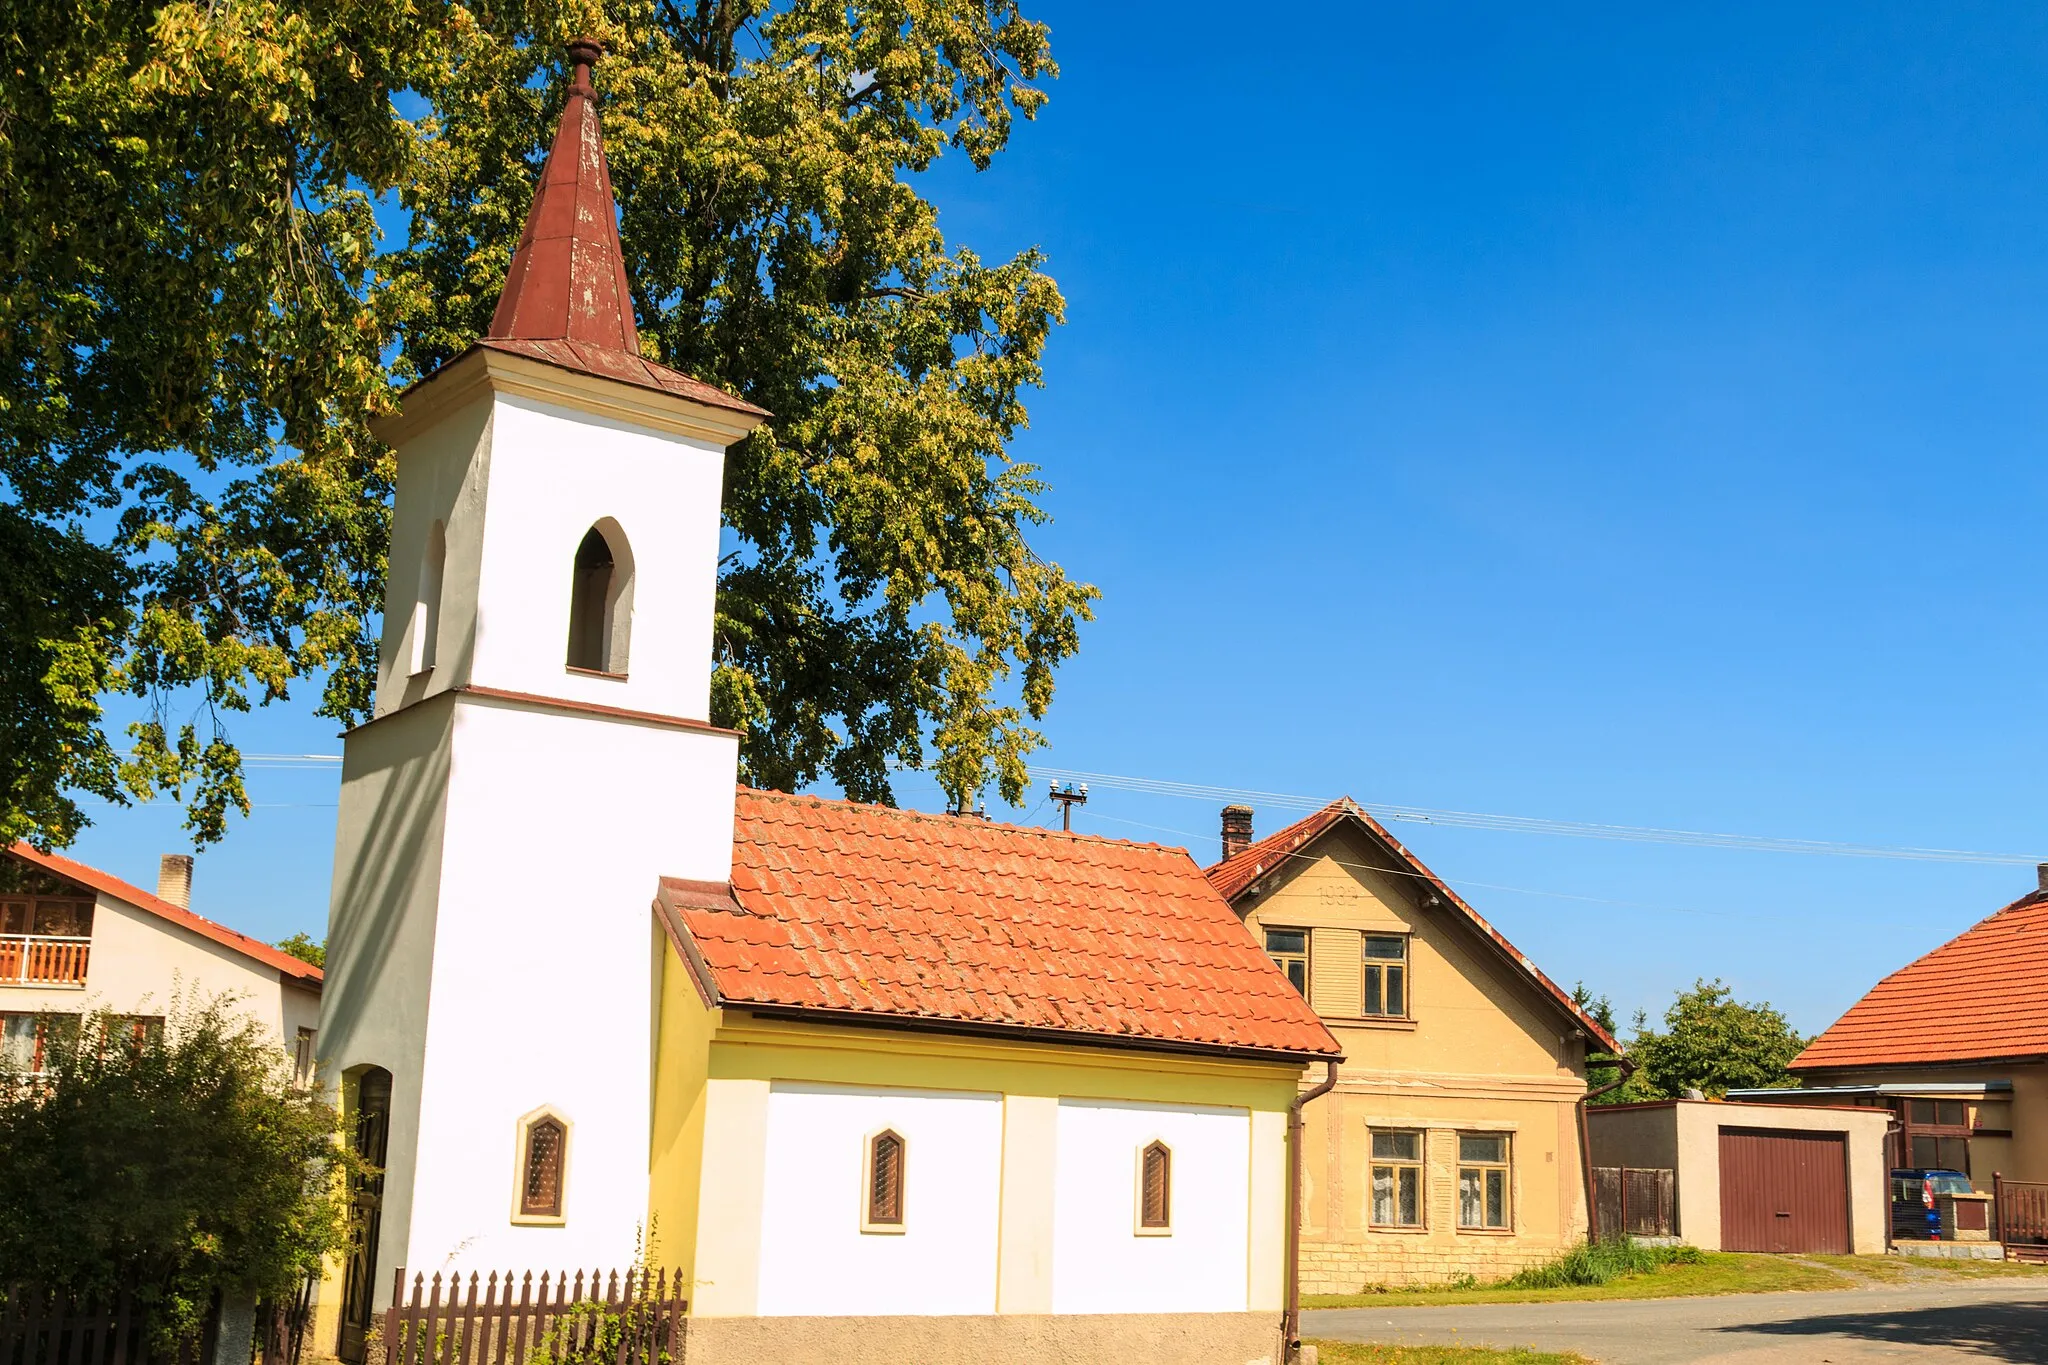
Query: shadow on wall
pixel 1982 1331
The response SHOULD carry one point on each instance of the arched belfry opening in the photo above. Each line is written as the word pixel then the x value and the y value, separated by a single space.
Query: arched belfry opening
pixel 601 601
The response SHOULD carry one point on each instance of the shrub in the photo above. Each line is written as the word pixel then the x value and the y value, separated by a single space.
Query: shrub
pixel 1599 1262
pixel 178 1159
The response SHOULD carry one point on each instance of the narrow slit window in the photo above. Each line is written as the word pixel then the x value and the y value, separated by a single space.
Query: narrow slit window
pixel 886 1151
pixel 1386 976
pixel 426 611
pixel 545 1159
pixel 1289 950
pixel 1155 1188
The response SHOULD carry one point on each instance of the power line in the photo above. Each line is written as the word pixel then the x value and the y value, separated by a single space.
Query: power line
pixel 1524 824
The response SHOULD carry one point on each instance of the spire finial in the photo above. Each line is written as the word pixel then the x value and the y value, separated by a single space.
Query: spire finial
pixel 583 55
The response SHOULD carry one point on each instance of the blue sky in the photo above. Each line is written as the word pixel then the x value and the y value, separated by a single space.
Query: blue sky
pixel 1604 415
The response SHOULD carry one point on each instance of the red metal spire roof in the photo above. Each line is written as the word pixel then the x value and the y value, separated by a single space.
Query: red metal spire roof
pixel 566 300
pixel 568 276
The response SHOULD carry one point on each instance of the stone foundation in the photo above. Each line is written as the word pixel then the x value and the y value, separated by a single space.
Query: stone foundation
pixel 1402 1261
pixel 1036 1339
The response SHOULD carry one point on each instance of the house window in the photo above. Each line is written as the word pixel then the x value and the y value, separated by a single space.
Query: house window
pixel 1289 949
pixel 1386 975
pixel 543 1168
pixel 1482 1180
pixel 1397 1180
pixel 1155 1189
pixel 601 601
pixel 1937 1135
pixel 886 1153
pixel 28 1042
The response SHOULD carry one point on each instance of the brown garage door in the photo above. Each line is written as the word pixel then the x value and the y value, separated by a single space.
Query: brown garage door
pixel 1784 1191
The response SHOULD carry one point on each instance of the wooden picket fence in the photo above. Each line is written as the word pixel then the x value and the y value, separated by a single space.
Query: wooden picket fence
pixel 41 1326
pixel 634 1317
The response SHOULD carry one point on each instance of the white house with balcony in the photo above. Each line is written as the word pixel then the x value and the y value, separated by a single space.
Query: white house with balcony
pixel 74 939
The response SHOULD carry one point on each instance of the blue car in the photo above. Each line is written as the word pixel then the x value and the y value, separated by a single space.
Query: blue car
pixel 1916 1202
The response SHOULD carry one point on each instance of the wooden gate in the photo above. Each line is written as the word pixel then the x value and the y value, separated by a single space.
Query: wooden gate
pixel 1634 1201
pixel 1783 1190
pixel 2019 1211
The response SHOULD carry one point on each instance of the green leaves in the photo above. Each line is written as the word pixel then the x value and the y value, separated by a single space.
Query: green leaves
pixel 1711 1043
pixel 173 1155
pixel 197 327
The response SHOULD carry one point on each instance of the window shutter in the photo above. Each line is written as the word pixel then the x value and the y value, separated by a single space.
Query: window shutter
pixel 1155 1198
pixel 885 1180
pixel 542 1196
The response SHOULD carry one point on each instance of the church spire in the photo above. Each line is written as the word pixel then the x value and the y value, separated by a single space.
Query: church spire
pixel 568 276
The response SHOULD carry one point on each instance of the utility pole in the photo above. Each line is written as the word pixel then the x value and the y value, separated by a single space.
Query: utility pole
pixel 1069 797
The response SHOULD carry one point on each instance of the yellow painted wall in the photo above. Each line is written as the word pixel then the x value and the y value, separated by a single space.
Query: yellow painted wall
pixel 676 1154
pixel 1480 1051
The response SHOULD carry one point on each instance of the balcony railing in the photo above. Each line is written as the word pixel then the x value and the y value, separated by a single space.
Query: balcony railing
pixel 43 960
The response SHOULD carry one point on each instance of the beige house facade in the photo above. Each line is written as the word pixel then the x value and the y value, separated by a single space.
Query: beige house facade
pixel 1451 1144
pixel 74 940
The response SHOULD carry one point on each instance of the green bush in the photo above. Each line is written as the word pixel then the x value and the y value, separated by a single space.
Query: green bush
pixel 1599 1262
pixel 178 1159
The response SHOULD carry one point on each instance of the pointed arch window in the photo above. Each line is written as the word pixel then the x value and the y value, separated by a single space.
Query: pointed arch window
pixel 601 601
pixel 541 1181
pixel 426 609
pixel 887 1153
pixel 1155 1190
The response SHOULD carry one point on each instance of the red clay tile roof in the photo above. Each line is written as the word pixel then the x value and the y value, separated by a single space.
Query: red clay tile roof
pixel 1981 995
pixel 304 972
pixel 1236 874
pixel 841 907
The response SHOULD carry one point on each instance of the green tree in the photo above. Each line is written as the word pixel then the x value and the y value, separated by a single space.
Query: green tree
pixel 306 948
pixel 1712 1043
pixel 1602 1068
pixel 197 318
pixel 180 1159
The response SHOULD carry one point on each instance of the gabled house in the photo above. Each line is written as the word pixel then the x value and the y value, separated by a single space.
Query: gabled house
pixel 1955 1045
pixel 886 1086
pixel 1453 1142
pixel 74 939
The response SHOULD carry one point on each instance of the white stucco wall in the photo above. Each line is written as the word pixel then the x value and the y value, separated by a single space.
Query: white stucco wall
pixel 558 828
pixel 555 474
pixel 1100 1263
pixel 815 1259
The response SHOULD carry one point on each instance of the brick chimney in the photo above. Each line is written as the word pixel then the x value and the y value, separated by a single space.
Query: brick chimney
pixel 174 879
pixel 2041 875
pixel 1237 830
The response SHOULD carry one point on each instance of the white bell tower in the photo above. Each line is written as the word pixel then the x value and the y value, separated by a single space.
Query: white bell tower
pixel 540 755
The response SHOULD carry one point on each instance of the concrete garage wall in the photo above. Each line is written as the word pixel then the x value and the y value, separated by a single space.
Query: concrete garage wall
pixel 1025 1339
pixel 1685 1135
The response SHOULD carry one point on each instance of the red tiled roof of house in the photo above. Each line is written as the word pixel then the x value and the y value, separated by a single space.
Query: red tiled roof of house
pixel 1981 995
pixel 111 885
pixel 1238 873
pixel 935 919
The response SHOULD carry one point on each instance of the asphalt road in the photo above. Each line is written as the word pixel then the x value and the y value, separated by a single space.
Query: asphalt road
pixel 1992 1321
